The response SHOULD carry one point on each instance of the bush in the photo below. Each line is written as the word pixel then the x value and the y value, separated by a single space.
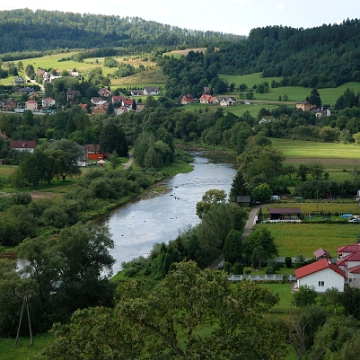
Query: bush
pixel 227 267
pixel 288 262
pixel 270 268
pixel 238 269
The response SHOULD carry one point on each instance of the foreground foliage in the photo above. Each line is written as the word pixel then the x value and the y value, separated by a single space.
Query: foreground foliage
pixel 191 314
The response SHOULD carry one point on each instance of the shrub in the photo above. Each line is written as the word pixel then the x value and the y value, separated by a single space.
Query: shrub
pixel 227 267
pixel 238 269
pixel 288 262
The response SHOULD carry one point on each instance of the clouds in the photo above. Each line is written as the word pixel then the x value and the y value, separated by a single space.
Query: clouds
pixel 280 6
pixel 243 2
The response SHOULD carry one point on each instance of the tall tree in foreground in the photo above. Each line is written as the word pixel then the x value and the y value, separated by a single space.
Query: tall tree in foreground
pixel 191 314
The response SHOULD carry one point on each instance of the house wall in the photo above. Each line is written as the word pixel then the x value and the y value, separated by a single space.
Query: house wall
pixel 328 276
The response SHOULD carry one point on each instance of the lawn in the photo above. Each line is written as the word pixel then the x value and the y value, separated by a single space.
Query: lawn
pixel 24 351
pixel 293 239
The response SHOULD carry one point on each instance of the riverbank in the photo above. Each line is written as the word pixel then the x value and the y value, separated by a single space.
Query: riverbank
pixel 95 207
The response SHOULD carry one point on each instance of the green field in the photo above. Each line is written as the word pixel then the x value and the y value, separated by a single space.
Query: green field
pixel 294 93
pixel 315 150
pixel 293 239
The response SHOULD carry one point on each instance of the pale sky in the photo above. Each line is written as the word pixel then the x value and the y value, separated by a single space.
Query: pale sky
pixel 230 16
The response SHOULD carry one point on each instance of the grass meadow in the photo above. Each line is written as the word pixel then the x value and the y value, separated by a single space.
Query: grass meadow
pixel 293 239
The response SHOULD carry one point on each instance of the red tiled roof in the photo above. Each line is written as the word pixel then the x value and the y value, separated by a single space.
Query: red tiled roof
pixel 351 257
pixel 315 267
pixel 127 101
pixel 17 144
pixel 355 270
pixel 349 248
pixel 321 252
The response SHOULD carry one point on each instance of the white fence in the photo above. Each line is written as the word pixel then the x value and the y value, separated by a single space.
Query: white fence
pixel 262 277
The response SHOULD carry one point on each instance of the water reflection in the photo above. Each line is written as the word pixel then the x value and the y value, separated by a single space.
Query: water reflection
pixel 136 227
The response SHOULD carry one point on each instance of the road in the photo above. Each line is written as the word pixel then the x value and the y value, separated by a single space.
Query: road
pixel 248 227
pixel 129 163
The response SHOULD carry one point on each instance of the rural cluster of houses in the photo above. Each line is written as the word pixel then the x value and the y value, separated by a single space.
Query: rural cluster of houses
pixel 207 98
pixel 306 106
pixel 327 273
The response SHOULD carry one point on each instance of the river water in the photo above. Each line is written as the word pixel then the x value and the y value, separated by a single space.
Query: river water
pixel 137 226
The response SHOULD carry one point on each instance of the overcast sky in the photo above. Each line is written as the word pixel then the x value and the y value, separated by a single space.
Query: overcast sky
pixel 231 16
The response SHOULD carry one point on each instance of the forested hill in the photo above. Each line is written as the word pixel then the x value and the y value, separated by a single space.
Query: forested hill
pixel 325 56
pixel 24 30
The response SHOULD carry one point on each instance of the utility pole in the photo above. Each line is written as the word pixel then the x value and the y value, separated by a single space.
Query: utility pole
pixel 26 297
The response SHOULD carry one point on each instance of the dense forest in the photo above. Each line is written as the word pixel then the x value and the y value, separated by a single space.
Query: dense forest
pixel 24 30
pixel 325 56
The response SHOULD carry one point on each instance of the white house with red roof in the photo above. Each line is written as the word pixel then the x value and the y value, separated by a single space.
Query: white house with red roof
pixel 322 275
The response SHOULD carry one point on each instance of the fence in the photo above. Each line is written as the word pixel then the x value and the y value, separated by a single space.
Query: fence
pixel 261 277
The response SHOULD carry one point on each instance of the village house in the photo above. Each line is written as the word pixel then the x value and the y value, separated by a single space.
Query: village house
pixel 304 106
pixel 34 96
pixel 227 101
pixel 322 275
pixel 74 73
pixel 137 92
pixel 98 101
pixel 349 261
pixel 243 200
pixel 19 80
pixel 26 90
pixel 21 145
pixel 99 110
pixel 8 104
pixel 208 99
pixel 116 99
pixel 122 109
pixel 323 111
pixel 39 72
pixel 285 214
pixel 151 90
pixel 104 92
pixel 31 105
pixel 127 103
pixel 47 102
pixel 322 254
pixel 187 99
pixel 71 93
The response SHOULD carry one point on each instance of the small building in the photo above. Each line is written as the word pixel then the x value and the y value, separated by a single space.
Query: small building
pixel 40 72
pixel 104 92
pixel 118 99
pixel 322 254
pixel 322 275
pixel 151 90
pixel 98 101
pixel 187 99
pixel 208 99
pixel 243 200
pixel 137 92
pixel 323 111
pixel 227 101
pixel 127 103
pixel 291 214
pixel 9 104
pixel 19 80
pixel 20 145
pixel 304 106
pixel 71 93
pixel 47 102
pixel 26 90
pixel 31 105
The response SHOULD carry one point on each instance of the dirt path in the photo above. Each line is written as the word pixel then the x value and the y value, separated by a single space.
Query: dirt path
pixel 248 227
pixel 129 163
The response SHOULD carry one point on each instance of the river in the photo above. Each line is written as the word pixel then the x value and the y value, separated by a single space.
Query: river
pixel 137 226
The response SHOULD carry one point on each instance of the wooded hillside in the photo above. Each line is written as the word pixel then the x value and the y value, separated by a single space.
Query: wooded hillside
pixel 25 29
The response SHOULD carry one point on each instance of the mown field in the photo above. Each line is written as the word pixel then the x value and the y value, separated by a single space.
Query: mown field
pixel 293 239
pixel 294 93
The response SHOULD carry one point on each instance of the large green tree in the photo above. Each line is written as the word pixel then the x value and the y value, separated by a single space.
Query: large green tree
pixel 113 138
